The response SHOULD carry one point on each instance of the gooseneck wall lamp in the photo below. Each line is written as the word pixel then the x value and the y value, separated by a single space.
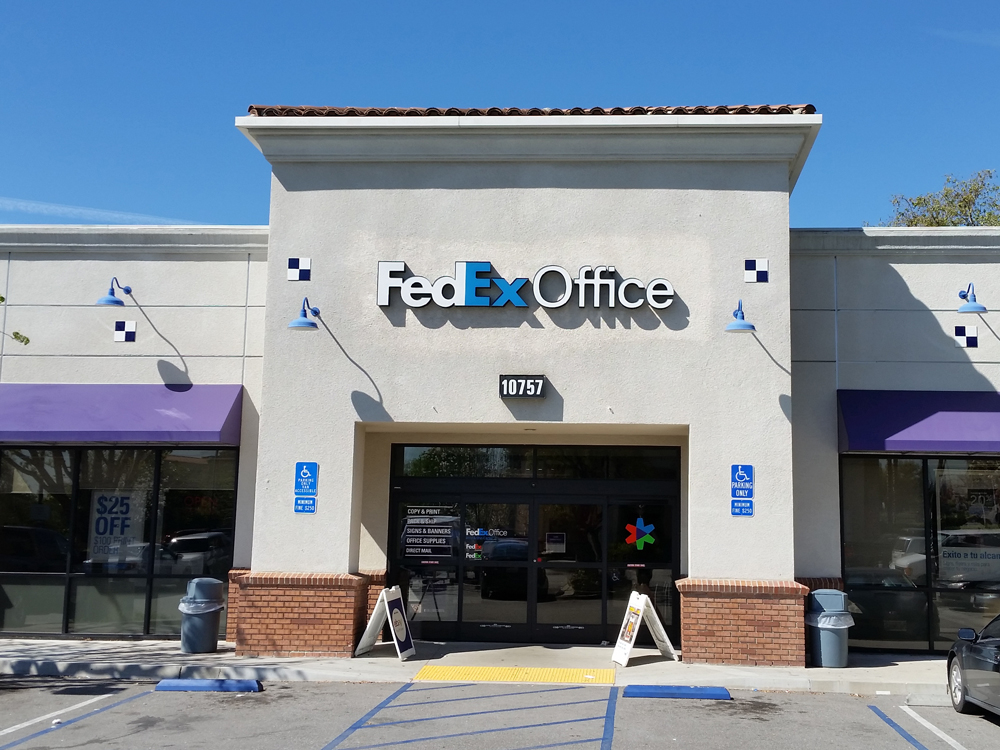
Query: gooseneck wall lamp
pixel 740 324
pixel 110 298
pixel 302 323
pixel 970 306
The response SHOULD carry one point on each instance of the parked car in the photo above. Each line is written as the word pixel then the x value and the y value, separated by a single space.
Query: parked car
pixel 208 553
pixel 909 554
pixel 973 679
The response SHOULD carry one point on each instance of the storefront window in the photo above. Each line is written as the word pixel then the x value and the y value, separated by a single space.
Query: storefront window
pixel 466 461
pixel 431 594
pixel 883 519
pixel 572 462
pixel 76 526
pixel 429 530
pixel 113 512
pixel 967 550
pixel 107 605
pixel 570 532
pixel 910 587
pixel 640 532
pixel 497 532
pixel 570 595
pixel 36 489
pixel 496 594
pixel 196 513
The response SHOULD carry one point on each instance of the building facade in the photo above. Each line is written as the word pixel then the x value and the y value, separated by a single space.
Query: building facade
pixel 492 357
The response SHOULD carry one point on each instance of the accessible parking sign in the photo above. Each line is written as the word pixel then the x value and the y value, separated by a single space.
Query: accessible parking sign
pixel 741 489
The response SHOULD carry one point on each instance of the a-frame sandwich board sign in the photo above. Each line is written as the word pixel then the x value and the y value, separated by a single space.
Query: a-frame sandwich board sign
pixel 390 606
pixel 640 609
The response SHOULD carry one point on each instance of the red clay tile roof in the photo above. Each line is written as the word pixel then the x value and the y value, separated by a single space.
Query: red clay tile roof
pixel 739 109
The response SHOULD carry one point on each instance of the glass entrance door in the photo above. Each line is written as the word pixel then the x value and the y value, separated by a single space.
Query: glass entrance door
pixel 532 555
pixel 498 587
pixel 570 569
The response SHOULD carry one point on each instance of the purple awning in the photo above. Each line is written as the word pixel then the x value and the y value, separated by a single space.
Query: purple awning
pixel 920 421
pixel 68 413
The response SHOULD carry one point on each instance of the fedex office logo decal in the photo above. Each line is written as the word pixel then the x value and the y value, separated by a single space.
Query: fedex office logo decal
pixel 551 286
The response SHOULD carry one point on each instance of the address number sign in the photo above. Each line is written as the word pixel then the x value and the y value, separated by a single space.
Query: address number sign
pixel 522 386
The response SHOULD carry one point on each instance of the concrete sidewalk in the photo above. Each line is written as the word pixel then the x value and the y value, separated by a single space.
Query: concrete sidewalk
pixel 867 674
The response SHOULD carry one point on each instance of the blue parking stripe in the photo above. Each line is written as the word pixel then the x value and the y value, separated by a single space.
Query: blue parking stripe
pixel 609 720
pixel 482 697
pixel 560 744
pixel 65 724
pixel 899 730
pixel 443 687
pixel 470 734
pixel 361 722
pixel 479 713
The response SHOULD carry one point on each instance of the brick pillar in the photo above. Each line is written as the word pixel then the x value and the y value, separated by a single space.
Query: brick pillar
pixel 376 582
pixel 728 621
pixel 300 614
pixel 233 605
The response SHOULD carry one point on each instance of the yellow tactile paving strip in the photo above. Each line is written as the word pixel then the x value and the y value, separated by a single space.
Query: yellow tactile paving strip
pixel 517 674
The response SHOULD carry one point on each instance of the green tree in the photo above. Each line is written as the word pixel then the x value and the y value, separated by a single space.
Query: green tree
pixel 974 202
pixel 19 337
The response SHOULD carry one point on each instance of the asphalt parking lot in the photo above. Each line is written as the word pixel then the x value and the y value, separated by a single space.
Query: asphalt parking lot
pixel 491 716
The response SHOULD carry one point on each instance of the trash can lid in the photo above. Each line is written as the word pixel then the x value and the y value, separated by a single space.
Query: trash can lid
pixel 206 588
pixel 828 600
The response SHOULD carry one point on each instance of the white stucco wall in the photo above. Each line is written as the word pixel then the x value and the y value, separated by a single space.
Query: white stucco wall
pixel 197 300
pixel 875 309
pixel 687 205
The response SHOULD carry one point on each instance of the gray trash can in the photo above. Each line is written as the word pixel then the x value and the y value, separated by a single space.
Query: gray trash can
pixel 828 621
pixel 201 610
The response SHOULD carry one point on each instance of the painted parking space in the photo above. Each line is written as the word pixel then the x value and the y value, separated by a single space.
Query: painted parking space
pixel 30 701
pixel 487 716
pixel 515 716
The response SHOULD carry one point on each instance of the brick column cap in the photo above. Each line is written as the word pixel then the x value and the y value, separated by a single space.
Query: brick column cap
pixel 740 586
pixel 334 580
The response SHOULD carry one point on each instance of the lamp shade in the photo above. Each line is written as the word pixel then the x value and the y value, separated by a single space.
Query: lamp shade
pixel 110 298
pixel 740 324
pixel 970 306
pixel 302 323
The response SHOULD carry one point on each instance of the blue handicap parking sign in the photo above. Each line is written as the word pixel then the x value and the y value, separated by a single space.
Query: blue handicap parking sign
pixel 742 481
pixel 304 504
pixel 306 477
pixel 742 508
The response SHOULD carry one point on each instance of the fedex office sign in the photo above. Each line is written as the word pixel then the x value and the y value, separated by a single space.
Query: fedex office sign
pixel 552 286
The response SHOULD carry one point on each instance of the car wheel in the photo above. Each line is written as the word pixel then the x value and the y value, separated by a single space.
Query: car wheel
pixel 956 687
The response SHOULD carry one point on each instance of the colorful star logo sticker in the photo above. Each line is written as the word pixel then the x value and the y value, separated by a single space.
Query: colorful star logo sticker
pixel 639 534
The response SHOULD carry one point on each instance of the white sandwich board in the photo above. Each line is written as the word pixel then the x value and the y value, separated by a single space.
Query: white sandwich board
pixel 640 610
pixel 389 606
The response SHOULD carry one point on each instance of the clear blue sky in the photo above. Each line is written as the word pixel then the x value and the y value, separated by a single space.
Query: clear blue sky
pixel 128 107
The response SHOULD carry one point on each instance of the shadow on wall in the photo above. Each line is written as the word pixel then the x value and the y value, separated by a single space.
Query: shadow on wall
pixel 548 409
pixel 173 377
pixel 368 409
pixel 937 344
pixel 785 402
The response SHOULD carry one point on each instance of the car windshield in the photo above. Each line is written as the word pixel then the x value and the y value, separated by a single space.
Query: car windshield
pixel 190 545
pixel 909 545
